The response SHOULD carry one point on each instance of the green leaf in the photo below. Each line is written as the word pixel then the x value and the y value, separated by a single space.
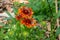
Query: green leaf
pixel 58 15
pixel 58 31
pixel 15 10
pixel 9 14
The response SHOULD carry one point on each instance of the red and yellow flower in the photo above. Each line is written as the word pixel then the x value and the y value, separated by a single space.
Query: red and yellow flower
pixel 29 22
pixel 18 17
pixel 25 12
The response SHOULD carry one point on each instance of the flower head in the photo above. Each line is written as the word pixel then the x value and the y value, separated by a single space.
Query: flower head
pixel 18 17
pixel 25 12
pixel 29 22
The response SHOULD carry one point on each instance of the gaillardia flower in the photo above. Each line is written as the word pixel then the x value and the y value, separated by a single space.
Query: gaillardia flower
pixel 18 17
pixel 25 12
pixel 29 23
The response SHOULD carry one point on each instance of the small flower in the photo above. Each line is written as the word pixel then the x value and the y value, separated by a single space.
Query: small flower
pixel 29 22
pixel 18 17
pixel 25 12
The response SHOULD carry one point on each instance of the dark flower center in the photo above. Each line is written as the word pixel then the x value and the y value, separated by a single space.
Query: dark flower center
pixel 26 11
pixel 28 21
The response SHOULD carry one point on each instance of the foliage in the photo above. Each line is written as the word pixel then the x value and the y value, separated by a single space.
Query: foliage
pixel 44 10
